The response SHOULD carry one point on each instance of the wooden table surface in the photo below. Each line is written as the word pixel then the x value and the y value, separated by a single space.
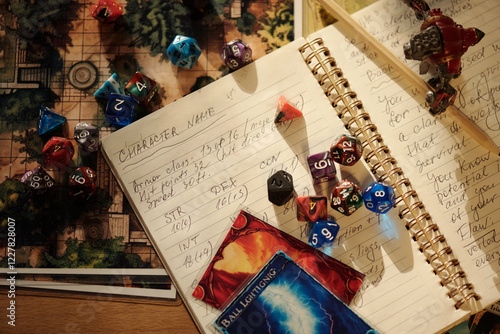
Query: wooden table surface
pixel 61 312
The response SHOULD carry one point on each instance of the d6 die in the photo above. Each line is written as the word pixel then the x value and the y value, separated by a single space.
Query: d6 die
pixel 120 109
pixel 347 197
pixel 323 233
pixel 280 188
pixel 141 88
pixel 236 54
pixel 82 183
pixel 38 180
pixel 58 152
pixel 322 167
pixel 183 51
pixel 87 136
pixel 379 197
pixel 346 150
pixel 312 208
pixel 106 11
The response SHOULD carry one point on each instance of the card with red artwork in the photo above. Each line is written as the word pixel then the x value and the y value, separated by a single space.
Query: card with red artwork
pixel 246 249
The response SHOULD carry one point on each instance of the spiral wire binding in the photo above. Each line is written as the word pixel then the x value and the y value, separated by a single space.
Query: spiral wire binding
pixel 377 155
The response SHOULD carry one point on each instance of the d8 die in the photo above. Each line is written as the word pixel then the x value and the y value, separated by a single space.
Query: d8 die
pixel 82 183
pixel 38 180
pixel 236 54
pixel 183 51
pixel 58 152
pixel 141 88
pixel 346 150
pixel 106 11
pixel 280 188
pixel 87 136
pixel 120 109
pixel 347 197
pixel 379 197
pixel 312 208
pixel 322 167
pixel 323 233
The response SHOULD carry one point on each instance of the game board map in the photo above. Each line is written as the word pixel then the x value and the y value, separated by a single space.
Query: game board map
pixel 58 60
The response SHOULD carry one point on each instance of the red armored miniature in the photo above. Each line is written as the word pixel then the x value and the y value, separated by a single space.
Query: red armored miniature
pixel 440 43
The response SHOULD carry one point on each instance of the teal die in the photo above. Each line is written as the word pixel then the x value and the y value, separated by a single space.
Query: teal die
pixel 120 109
pixel 323 233
pixel 184 51
pixel 109 86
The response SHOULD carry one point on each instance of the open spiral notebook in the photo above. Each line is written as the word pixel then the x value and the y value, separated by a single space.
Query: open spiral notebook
pixel 429 263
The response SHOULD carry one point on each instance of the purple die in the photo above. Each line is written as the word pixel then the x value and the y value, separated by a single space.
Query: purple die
pixel 236 54
pixel 323 233
pixel 322 167
pixel 38 180
pixel 87 136
pixel 120 109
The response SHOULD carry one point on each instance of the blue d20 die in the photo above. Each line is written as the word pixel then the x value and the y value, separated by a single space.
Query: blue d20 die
pixel 323 233
pixel 109 86
pixel 120 109
pixel 183 51
pixel 379 197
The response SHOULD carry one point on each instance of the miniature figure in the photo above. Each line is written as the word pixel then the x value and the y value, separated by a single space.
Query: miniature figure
pixel 440 43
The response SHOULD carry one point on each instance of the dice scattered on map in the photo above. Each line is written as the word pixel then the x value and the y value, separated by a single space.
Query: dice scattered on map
pixel 38 181
pixel 87 136
pixel 184 51
pixel 106 11
pixel 236 54
pixel 120 109
pixel 58 152
pixel 82 183
pixel 142 88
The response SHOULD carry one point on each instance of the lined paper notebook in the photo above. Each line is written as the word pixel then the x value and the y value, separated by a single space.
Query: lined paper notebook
pixel 188 168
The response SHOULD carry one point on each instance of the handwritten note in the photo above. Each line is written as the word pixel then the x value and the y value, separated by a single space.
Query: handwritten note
pixel 458 181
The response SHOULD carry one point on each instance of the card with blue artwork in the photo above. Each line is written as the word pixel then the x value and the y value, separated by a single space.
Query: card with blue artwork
pixel 284 298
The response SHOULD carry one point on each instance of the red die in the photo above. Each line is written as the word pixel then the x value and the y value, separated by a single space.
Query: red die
pixel 82 183
pixel 106 11
pixel 312 208
pixel 58 152
pixel 347 197
pixel 346 150
pixel 142 88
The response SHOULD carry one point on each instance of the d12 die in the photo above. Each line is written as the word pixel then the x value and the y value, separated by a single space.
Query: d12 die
pixel 236 54
pixel 106 11
pixel 82 183
pixel 87 136
pixel 183 51
pixel 38 180
pixel 323 233
pixel 280 188
pixel 58 152
pixel 379 197
pixel 109 86
pixel 120 109
pixel 346 150
pixel 141 88
pixel 347 197
pixel 312 208
pixel 286 111
pixel 322 167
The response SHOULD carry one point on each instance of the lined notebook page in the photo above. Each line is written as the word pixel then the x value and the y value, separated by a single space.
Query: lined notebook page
pixel 458 180
pixel 189 167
